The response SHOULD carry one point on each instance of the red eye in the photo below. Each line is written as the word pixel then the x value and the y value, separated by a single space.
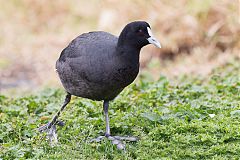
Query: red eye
pixel 140 32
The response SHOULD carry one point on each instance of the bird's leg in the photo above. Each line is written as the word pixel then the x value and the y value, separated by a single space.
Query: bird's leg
pixel 105 110
pixel 50 127
pixel 107 133
pixel 117 140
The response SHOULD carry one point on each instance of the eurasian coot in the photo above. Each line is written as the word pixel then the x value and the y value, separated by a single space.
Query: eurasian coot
pixel 98 65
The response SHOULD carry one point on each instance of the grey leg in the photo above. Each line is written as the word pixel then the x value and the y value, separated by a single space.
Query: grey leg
pixel 116 140
pixel 50 127
pixel 105 110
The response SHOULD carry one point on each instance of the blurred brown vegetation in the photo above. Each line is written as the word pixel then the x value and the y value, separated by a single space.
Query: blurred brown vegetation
pixel 196 35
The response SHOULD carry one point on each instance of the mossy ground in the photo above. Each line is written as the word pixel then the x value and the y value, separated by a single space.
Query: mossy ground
pixel 194 118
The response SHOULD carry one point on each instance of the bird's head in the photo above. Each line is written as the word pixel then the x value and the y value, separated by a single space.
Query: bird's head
pixel 138 34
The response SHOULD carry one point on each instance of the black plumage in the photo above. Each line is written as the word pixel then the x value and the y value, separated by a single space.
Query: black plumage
pixel 98 65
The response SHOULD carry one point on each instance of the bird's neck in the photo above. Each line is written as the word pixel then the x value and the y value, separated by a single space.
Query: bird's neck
pixel 129 55
pixel 128 50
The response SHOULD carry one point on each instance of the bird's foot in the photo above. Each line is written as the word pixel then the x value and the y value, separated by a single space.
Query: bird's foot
pixel 116 140
pixel 51 131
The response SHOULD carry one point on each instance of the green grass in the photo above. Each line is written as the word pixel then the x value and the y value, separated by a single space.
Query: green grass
pixel 172 121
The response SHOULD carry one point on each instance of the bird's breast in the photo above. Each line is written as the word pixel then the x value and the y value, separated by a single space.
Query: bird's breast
pixel 126 75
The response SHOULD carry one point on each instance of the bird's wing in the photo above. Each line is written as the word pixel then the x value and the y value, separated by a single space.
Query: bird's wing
pixel 89 56
pixel 90 44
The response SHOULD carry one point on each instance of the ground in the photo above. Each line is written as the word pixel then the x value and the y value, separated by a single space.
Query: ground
pixel 190 118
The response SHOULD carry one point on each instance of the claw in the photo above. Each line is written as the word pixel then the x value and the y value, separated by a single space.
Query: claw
pixel 51 131
pixel 60 123
pixel 52 135
pixel 98 139
pixel 44 128
pixel 121 146
pixel 116 140
pixel 131 139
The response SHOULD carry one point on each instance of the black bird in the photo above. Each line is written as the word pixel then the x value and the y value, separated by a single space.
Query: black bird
pixel 98 65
